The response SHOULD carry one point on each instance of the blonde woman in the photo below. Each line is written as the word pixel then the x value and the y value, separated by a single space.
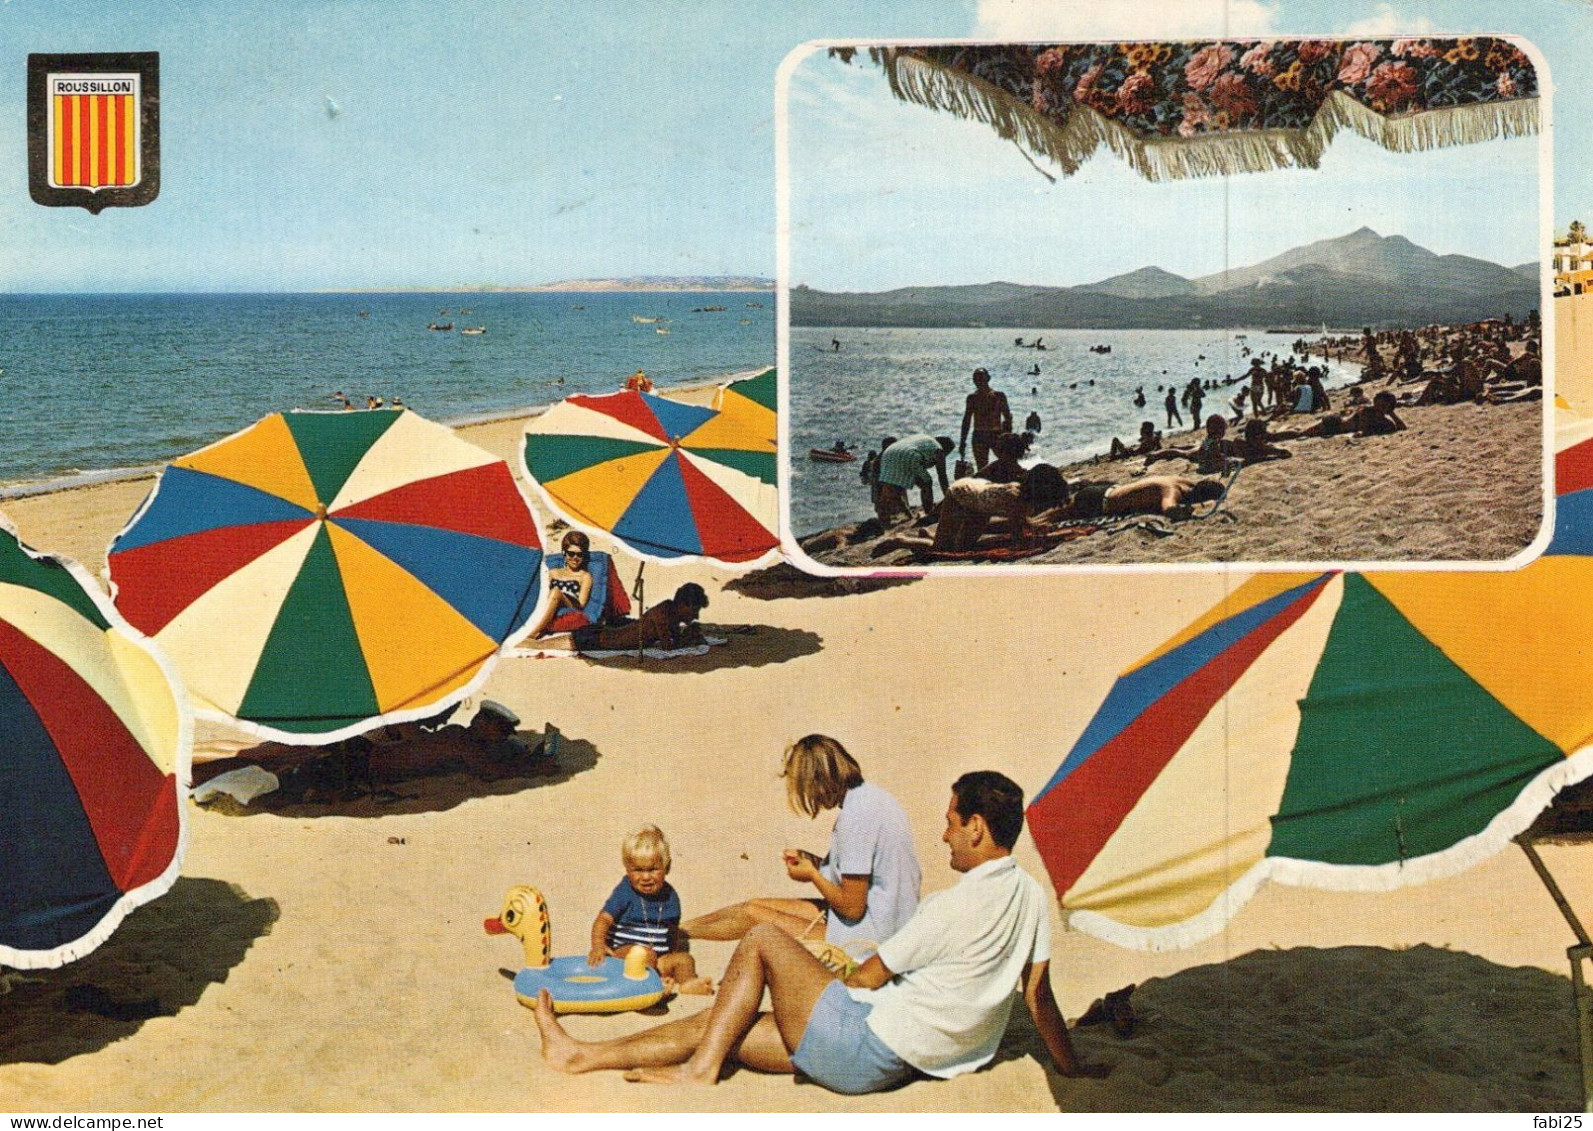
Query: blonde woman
pixel 866 884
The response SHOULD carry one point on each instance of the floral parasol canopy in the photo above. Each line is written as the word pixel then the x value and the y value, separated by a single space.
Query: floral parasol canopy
pixel 1215 107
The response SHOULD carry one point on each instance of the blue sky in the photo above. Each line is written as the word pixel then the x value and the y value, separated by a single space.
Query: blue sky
pixel 510 143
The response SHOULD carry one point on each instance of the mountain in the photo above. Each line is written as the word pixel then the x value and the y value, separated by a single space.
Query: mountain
pixel 1147 282
pixel 1529 269
pixel 1361 279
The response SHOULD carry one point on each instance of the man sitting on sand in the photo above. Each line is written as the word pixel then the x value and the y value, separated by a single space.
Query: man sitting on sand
pixel 1149 441
pixel 935 998
pixel 1210 456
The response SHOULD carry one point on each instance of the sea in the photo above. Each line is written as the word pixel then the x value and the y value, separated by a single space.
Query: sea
pixel 897 381
pixel 93 385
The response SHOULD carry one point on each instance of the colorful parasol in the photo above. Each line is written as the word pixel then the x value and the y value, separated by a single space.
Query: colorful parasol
pixel 1215 107
pixel 318 573
pixel 95 741
pixel 671 480
pixel 1341 730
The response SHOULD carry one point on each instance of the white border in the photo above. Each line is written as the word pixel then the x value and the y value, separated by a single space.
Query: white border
pixel 801 559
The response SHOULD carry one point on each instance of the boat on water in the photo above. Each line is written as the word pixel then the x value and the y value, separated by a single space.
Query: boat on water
pixel 705 309
pixel 660 329
pixel 830 455
pixel 643 321
pixel 474 330
pixel 440 326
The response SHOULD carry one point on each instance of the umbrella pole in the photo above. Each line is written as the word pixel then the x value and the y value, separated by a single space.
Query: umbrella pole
pixel 637 592
pixel 1578 955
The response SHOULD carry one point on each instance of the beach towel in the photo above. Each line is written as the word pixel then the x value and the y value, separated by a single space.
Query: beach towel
pixel 1028 549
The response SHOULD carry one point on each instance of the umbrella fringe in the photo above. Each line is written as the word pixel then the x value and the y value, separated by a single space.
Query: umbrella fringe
pixel 1505 826
pixel 84 945
pixel 1069 144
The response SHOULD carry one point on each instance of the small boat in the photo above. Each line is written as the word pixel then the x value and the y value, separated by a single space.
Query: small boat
pixel 643 321
pixel 705 309
pixel 660 329
pixel 830 455
pixel 441 326
pixel 474 330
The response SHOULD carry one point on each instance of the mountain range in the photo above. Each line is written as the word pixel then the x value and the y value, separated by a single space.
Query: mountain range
pixel 1362 279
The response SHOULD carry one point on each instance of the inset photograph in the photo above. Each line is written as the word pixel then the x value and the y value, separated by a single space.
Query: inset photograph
pixel 1239 301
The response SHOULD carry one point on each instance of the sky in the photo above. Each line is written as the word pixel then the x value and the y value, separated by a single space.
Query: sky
pixel 388 143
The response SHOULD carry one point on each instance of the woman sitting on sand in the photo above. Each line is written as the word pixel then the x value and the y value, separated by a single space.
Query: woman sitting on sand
pixel 570 586
pixel 867 882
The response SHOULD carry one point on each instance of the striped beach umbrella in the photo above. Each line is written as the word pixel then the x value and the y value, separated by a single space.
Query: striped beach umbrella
pixel 1352 731
pixel 319 573
pixel 95 740
pixel 670 480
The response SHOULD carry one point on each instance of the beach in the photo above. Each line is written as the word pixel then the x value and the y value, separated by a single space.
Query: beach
pixel 1463 483
pixel 333 958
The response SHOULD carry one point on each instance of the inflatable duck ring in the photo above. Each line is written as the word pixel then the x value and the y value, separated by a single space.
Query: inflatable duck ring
pixel 611 986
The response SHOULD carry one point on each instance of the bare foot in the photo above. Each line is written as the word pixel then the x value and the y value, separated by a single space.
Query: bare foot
pixel 675 1074
pixel 559 1049
pixel 704 986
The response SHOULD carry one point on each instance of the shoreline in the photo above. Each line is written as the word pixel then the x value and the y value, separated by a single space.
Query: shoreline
pixel 30 488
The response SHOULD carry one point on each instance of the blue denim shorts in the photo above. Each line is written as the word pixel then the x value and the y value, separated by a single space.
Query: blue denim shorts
pixel 840 1052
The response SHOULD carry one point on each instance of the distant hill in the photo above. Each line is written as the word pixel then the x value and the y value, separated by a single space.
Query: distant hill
pixel 1147 282
pixel 656 283
pixel 1355 280
pixel 1530 269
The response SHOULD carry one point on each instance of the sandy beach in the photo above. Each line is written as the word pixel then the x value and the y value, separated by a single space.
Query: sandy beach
pixel 332 958
pixel 1462 483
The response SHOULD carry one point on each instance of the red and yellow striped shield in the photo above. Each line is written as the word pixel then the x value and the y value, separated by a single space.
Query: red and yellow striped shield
pixel 93 129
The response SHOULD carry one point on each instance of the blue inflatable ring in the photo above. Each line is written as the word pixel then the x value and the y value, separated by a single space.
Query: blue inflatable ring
pixel 576 987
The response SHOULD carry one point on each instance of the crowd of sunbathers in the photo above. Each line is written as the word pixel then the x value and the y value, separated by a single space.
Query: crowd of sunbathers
pixel 1003 505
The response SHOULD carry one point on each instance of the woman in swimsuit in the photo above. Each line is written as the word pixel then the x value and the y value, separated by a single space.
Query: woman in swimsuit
pixel 571 587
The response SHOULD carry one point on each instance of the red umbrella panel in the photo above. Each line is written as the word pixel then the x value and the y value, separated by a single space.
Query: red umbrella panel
pixel 95 743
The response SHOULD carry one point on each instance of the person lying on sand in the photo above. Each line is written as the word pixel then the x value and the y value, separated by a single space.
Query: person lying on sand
pixel 668 625
pixel 644 910
pixel 935 999
pixel 1170 495
pixel 971 505
pixel 1376 419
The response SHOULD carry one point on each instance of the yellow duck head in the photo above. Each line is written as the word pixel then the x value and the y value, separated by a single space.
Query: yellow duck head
pixel 525 916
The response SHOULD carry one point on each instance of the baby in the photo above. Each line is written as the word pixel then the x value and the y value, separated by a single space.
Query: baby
pixel 644 910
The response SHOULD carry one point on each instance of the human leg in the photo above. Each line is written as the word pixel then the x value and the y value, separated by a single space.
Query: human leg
pixel 670 1043
pixel 769 959
pixel 678 967
pixel 793 916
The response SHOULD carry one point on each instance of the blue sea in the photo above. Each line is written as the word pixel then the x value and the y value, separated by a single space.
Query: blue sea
pixel 896 381
pixel 96 383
